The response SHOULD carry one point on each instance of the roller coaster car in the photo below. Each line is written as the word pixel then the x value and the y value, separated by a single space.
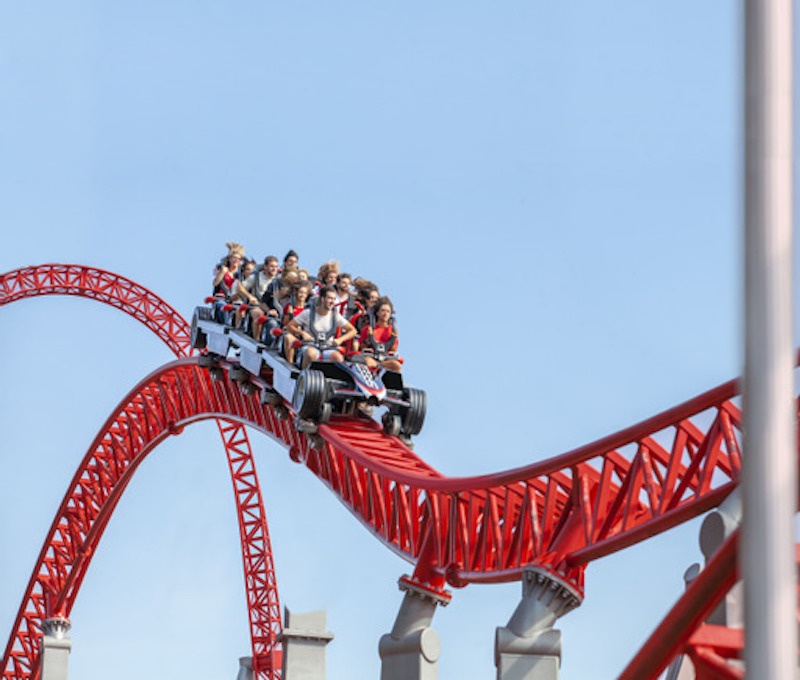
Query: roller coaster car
pixel 321 389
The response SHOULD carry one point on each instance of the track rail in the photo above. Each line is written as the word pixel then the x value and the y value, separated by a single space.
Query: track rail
pixel 683 631
pixel 97 284
pixel 494 525
pixel 21 656
pixel 557 515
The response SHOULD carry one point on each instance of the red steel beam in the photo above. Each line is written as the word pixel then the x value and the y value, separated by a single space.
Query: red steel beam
pixel 557 514
pixel 257 559
pixel 698 601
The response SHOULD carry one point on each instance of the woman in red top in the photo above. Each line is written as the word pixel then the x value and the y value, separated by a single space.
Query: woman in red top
pixel 226 283
pixel 226 276
pixel 378 341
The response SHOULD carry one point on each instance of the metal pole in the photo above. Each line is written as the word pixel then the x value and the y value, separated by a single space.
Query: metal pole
pixel 769 481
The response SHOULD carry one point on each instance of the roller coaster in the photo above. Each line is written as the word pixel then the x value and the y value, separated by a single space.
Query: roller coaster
pixel 319 390
pixel 546 521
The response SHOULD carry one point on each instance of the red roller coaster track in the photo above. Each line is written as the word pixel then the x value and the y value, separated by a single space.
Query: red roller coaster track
pixel 557 515
pixel 41 600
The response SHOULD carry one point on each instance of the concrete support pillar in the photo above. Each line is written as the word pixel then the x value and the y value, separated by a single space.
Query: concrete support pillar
pixel 529 648
pixel 682 667
pixel 716 527
pixel 56 647
pixel 304 639
pixel 411 651
pixel 245 668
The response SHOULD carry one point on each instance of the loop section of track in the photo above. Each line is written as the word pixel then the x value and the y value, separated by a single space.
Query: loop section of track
pixel 21 656
pixel 97 284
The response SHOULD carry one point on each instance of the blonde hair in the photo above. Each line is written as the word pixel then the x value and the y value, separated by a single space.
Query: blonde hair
pixel 235 249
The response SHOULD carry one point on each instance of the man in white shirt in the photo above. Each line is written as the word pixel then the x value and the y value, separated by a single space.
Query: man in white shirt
pixel 318 325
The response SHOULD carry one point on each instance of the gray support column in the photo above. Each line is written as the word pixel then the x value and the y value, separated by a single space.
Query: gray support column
pixel 56 647
pixel 769 474
pixel 529 648
pixel 304 639
pixel 716 527
pixel 682 667
pixel 245 668
pixel 411 651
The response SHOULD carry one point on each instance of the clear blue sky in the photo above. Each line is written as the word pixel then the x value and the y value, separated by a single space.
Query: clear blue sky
pixel 550 192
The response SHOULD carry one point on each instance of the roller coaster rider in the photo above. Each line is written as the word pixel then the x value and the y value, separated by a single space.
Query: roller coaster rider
pixel 345 299
pixel 301 292
pixel 247 269
pixel 259 289
pixel 326 276
pixel 317 327
pixel 364 303
pixel 378 340
pixel 227 287
pixel 290 262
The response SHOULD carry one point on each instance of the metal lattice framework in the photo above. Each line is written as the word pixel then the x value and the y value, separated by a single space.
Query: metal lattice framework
pixel 557 515
pixel 21 656
pixel 709 646
pixel 97 284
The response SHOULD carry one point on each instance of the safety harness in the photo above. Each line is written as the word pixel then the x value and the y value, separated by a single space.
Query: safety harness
pixel 322 339
pixel 381 350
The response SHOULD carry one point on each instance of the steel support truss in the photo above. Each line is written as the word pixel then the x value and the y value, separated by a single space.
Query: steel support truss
pixel 21 658
pixel 555 516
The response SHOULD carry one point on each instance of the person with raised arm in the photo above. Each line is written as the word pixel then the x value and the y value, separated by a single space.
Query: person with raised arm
pixel 226 286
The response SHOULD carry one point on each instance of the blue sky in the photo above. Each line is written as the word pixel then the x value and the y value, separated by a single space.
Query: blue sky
pixel 550 193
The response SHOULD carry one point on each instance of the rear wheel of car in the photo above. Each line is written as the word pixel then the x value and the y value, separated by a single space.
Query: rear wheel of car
pixel 414 415
pixel 309 394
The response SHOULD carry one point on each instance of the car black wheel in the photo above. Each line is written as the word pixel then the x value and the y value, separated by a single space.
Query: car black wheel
pixel 414 415
pixel 309 394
